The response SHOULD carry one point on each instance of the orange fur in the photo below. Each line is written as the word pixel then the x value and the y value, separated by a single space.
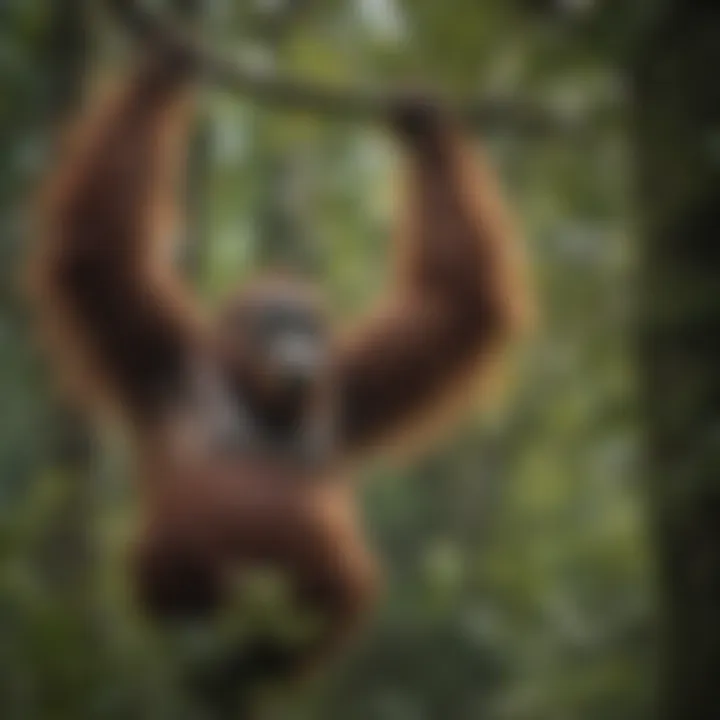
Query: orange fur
pixel 458 300
pixel 124 328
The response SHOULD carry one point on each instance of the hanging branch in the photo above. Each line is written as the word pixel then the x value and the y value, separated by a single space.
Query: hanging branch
pixel 363 103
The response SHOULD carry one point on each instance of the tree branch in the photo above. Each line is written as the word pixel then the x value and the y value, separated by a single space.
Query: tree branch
pixel 360 102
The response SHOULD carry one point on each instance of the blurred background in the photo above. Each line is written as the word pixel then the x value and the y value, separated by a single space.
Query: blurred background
pixel 556 560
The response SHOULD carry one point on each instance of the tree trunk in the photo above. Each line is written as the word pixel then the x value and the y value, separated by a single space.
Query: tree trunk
pixel 677 137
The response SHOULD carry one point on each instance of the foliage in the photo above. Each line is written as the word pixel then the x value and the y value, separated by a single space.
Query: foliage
pixel 519 583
